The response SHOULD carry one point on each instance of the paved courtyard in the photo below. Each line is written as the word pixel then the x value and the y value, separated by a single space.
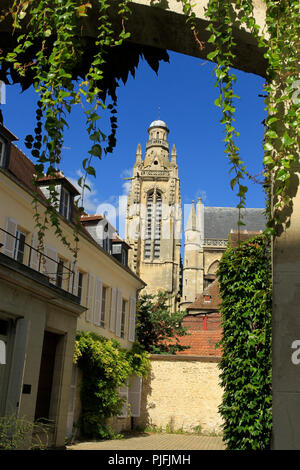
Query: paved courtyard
pixel 155 441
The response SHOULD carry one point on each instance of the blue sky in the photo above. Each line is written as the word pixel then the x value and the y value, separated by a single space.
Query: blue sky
pixel 184 91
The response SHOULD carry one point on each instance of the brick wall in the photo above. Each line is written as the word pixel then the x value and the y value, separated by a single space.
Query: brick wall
pixel 205 332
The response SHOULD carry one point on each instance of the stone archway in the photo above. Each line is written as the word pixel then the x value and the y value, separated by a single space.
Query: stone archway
pixel 165 27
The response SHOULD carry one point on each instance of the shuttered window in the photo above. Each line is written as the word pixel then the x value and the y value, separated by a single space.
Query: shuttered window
pixel 132 314
pixel 123 393
pixel 103 311
pixel 119 313
pixel 34 255
pixel 123 318
pixel 98 302
pixel 134 395
pixel 50 266
pixel 113 307
pixel 9 238
pixel 90 297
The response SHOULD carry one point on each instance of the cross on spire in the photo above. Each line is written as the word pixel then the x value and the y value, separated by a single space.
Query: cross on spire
pixel 158 112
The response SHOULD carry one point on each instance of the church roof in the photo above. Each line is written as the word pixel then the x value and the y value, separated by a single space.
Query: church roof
pixel 158 123
pixel 220 221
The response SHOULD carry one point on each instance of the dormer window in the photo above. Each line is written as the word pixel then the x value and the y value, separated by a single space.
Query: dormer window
pixel 2 152
pixel 65 200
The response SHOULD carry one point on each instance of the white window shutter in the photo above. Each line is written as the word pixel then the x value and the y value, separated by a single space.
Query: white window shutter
pixel 132 314
pixel 34 255
pixel 134 395
pixel 113 304
pixel 9 240
pixel 71 274
pixel 123 393
pixel 50 267
pixel 76 276
pixel 90 297
pixel 119 312
pixel 98 301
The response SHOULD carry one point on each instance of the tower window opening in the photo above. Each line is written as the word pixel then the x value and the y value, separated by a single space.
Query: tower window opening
pixel 153 226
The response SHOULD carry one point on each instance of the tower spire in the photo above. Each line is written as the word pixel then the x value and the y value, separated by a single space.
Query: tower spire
pixel 174 154
pixel 139 154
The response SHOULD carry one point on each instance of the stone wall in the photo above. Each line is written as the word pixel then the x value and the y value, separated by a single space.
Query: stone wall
pixel 182 392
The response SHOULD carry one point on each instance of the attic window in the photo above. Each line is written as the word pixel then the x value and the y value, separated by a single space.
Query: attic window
pixel 207 298
pixel 65 203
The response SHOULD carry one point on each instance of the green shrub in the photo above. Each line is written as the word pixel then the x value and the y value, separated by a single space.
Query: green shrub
pixel 245 287
pixel 158 330
pixel 19 432
pixel 105 366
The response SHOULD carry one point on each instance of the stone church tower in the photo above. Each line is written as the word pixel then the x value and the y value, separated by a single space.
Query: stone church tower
pixel 154 215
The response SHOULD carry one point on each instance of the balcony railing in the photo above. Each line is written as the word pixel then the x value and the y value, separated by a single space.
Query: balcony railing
pixel 61 274
pixel 217 242
pixel 161 142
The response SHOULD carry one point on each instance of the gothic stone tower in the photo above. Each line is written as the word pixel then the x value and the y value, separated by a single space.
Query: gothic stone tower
pixel 153 221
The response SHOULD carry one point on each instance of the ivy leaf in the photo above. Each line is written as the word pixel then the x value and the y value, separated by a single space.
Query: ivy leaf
pixel 212 55
pixel 287 140
pixel 96 150
pixel 91 171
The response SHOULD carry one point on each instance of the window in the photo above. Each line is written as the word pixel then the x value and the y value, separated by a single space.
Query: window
pixel 123 317
pixel 2 152
pixel 157 234
pixel 19 249
pixel 105 238
pixel 131 394
pixel 80 285
pixel 65 203
pixel 60 272
pixel 102 319
pixel 124 257
pixel 147 248
pixel 154 208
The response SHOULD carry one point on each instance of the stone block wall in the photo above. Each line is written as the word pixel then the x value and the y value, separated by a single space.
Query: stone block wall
pixel 182 392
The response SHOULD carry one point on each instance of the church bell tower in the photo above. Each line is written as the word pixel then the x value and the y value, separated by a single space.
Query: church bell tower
pixel 154 215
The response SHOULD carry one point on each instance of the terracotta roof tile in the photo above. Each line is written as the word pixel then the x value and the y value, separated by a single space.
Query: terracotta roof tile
pixel 208 300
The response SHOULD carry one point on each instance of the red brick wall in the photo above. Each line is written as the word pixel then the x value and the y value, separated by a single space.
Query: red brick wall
pixel 202 341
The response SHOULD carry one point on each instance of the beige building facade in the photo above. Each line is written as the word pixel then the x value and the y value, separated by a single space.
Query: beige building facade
pixel 46 297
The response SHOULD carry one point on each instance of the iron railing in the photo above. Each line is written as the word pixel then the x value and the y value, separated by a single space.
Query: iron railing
pixel 42 257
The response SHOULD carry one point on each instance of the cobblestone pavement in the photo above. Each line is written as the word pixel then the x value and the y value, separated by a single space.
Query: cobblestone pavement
pixel 148 441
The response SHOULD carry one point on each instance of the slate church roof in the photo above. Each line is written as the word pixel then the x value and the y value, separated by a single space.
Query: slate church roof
pixel 220 221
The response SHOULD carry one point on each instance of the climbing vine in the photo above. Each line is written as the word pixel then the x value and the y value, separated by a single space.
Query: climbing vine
pixel 246 291
pixel 280 40
pixel 105 367
pixel 50 48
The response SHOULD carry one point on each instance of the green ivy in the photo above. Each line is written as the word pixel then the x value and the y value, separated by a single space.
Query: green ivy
pixel 245 287
pixel 105 366
pixel 280 40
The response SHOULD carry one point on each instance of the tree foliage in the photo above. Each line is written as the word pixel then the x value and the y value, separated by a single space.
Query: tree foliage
pixel 245 287
pixel 158 331
pixel 105 366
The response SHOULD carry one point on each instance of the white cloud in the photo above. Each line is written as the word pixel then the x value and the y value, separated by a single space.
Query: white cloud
pixel 114 206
